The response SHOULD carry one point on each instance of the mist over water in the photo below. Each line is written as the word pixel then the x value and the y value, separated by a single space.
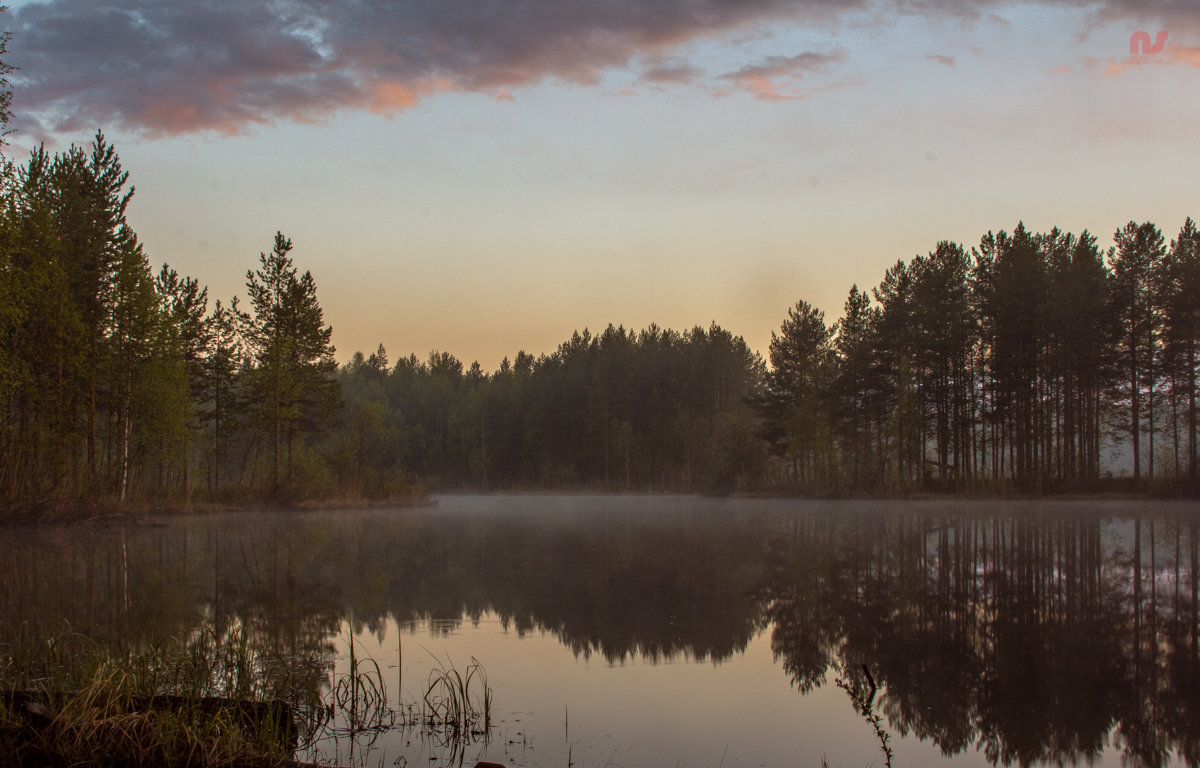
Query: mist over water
pixel 641 630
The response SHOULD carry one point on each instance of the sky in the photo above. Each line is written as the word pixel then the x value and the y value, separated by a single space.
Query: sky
pixel 485 176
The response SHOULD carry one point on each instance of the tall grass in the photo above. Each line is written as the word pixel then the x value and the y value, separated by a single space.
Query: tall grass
pixel 356 710
pixel 209 700
pixel 212 700
pixel 458 703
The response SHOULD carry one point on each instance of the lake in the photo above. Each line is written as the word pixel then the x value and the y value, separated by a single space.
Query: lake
pixel 683 631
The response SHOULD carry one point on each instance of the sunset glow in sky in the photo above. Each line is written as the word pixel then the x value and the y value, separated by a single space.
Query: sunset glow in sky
pixel 484 177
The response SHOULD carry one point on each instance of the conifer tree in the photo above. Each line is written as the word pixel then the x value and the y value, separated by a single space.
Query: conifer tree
pixel 222 359
pixel 295 372
pixel 1179 299
pixel 797 396
pixel 1137 251
pixel 857 379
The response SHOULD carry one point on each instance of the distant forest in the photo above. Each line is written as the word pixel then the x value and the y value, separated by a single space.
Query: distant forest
pixel 1012 365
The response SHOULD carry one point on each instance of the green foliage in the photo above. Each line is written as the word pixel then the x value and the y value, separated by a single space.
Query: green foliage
pixel 80 318
pixel 293 379
pixel 621 410
pixel 116 383
pixel 1005 365
pixel 797 399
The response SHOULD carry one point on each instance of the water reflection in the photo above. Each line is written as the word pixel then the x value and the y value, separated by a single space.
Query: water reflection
pixel 1039 637
pixel 1030 633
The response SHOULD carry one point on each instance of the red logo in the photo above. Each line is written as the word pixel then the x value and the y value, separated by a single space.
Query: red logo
pixel 1139 42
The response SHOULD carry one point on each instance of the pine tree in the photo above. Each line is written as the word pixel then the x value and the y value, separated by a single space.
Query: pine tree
pixel 797 394
pixel 140 329
pixel 1134 259
pixel 858 383
pixel 186 305
pixel 223 359
pixel 295 371
pixel 900 427
pixel 1080 328
pixel 1015 307
pixel 945 334
pixel 1179 299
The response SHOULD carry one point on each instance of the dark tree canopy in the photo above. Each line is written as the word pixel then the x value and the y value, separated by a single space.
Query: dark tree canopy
pixel 1032 361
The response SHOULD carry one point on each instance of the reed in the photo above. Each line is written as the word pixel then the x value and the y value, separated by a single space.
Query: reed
pixel 358 707
pixel 458 703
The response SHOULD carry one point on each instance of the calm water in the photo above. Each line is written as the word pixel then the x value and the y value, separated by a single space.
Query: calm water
pixel 651 631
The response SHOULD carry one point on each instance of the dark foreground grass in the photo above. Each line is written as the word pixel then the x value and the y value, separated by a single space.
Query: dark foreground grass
pixel 209 701
pixel 212 700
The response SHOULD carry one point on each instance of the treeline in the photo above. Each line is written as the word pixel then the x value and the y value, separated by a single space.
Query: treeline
pixel 655 409
pixel 1021 362
pixel 119 382
pixel 1027 362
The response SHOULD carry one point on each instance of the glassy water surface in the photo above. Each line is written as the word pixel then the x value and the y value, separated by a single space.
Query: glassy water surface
pixel 672 631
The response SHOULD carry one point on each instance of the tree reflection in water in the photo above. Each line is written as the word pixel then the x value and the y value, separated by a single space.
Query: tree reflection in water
pixel 1036 633
pixel 1038 636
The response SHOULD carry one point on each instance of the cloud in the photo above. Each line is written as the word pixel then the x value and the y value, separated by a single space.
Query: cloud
pixel 177 66
pixel 163 67
pixel 1183 54
pixel 763 79
pixel 1172 55
pixel 944 60
pixel 671 72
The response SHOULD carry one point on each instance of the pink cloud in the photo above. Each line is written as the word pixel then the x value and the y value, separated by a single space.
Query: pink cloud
pixel 1186 55
pixel 163 67
pixel 1172 55
pixel 773 79
pixel 176 66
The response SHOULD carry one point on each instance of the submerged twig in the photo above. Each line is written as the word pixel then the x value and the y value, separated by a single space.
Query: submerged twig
pixel 871 681
pixel 865 707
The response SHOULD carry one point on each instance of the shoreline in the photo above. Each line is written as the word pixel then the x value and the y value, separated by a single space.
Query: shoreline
pixel 68 512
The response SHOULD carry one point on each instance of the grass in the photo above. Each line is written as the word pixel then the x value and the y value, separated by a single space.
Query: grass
pixel 458 704
pixel 356 711
pixel 213 700
pixel 207 701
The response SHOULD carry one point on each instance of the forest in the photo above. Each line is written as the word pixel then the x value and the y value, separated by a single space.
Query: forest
pixel 1030 362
